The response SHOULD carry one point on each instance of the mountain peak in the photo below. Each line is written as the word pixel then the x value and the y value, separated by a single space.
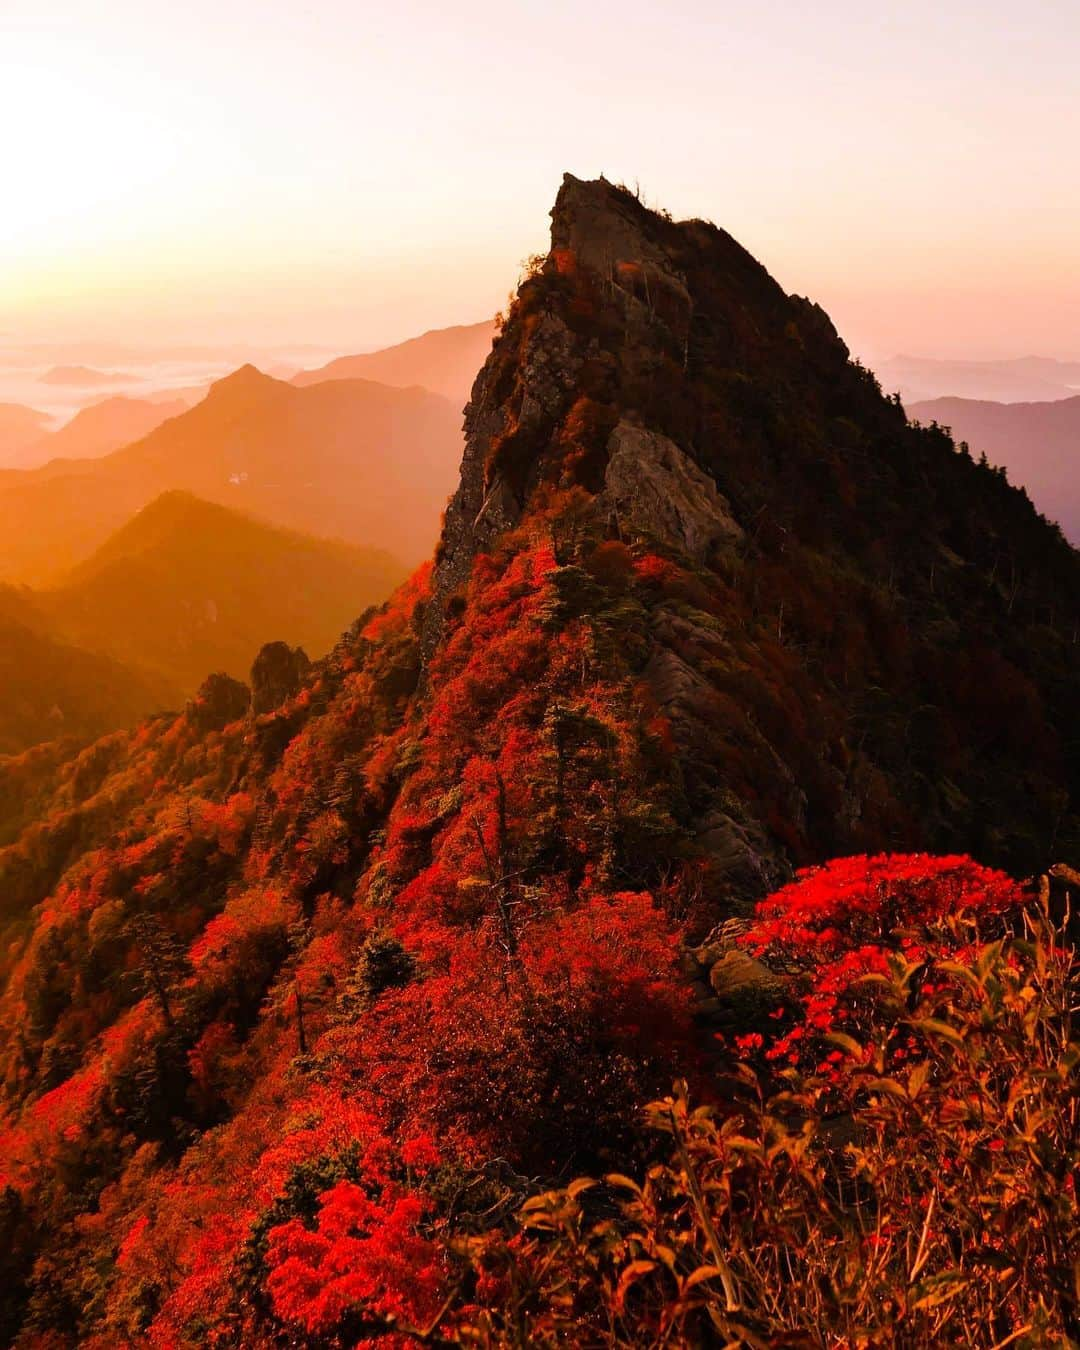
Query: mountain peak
pixel 626 347
pixel 245 380
pixel 604 224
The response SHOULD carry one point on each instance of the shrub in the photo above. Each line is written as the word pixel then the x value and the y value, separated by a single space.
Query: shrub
pixel 916 1188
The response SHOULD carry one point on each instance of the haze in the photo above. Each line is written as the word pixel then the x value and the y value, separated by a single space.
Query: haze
pixel 345 174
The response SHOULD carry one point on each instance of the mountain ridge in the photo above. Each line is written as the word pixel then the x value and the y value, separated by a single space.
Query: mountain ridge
pixel 187 587
pixel 444 360
pixel 98 429
pixel 350 459
pixel 338 987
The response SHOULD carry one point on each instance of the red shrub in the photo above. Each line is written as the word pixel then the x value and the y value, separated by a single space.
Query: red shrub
pixel 838 924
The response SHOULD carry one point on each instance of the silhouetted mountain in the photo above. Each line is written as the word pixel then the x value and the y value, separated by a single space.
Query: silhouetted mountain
pixel 20 427
pixel 445 361
pixel 1038 443
pixel 349 459
pixel 918 378
pixel 98 429
pixel 187 587
pixel 301 1007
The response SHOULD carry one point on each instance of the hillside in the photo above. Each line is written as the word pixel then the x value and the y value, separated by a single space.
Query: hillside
pixel 1037 443
pixel 187 587
pixel 445 361
pixel 98 429
pixel 349 459
pixel 50 688
pixel 309 1018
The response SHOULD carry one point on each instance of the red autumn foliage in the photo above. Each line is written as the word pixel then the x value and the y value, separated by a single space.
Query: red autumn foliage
pixel 366 1255
pixel 840 923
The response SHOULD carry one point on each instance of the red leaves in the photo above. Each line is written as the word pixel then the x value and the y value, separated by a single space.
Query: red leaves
pixel 210 1061
pixel 654 570
pixel 827 909
pixel 366 1254
pixel 839 923
pixel 399 610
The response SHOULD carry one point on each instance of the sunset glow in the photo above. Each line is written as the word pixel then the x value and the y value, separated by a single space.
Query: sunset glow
pixel 539 675
pixel 346 174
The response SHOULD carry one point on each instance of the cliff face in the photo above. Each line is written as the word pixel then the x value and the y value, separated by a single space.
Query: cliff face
pixel 628 310
pixel 656 367
pixel 417 927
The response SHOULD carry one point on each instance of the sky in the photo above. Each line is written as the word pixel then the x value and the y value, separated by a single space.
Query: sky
pixel 349 173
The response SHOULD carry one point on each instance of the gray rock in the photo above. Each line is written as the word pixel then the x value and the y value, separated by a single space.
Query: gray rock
pixel 656 491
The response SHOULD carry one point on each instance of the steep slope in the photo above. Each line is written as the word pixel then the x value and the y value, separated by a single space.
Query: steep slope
pixel 187 587
pixel 1037 443
pixel 348 459
pixel 296 1006
pixel 98 429
pixel 445 361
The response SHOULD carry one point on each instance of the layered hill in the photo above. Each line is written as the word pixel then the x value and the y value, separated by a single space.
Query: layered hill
pixel 86 376
pixel 188 587
pixel 445 361
pixel 98 429
pixel 1024 378
pixel 20 428
pixel 348 459
pixel 1037 443
pixel 184 588
pixel 298 1009
pixel 52 689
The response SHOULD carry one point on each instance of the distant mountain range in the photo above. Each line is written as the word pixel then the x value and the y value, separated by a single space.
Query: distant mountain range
pixel 164 541
pixel 445 361
pixel 350 459
pixel 20 428
pixel 209 586
pixel 184 588
pixel 1023 379
pixel 95 431
pixel 85 375
pixel 1038 443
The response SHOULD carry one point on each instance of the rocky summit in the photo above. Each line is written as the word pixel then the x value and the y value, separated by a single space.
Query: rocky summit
pixel 867 568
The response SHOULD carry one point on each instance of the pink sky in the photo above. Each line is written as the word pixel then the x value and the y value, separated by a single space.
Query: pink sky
pixel 349 173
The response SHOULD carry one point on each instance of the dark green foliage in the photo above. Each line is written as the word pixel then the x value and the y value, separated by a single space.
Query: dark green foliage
pixel 384 964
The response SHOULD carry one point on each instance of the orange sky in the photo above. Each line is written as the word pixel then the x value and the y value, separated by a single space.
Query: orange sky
pixel 349 174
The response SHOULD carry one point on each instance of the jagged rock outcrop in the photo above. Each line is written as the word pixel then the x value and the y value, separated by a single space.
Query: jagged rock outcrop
pixel 276 674
pixel 219 701
pixel 657 368
pixel 654 490
pixel 635 335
